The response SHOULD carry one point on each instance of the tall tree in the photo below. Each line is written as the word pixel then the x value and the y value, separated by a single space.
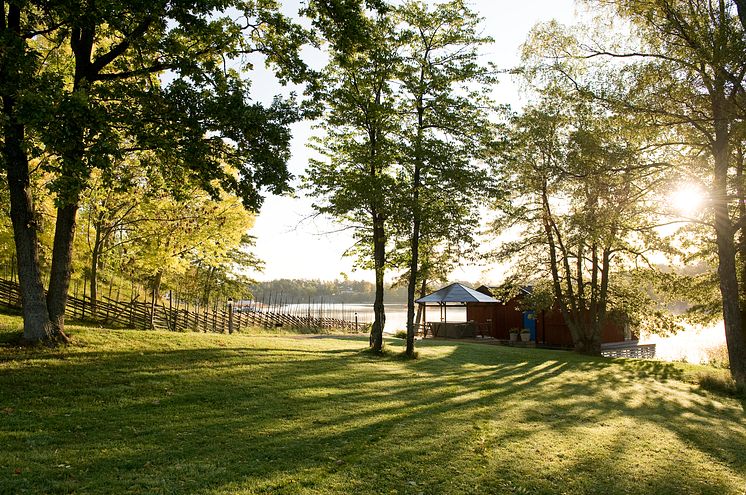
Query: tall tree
pixel 108 211
pixel 135 223
pixel 682 69
pixel 355 180
pixel 19 87
pixel 200 121
pixel 582 193
pixel 446 131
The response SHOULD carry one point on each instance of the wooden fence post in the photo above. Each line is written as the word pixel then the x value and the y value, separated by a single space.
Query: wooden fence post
pixel 85 281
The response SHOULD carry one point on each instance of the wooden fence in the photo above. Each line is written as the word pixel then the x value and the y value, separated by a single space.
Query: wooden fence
pixel 157 316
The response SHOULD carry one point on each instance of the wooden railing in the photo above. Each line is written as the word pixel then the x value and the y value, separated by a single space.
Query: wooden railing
pixel 628 350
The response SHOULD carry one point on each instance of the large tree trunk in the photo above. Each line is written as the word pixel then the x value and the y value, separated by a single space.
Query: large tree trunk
pixel 735 336
pixel 587 338
pixel 379 258
pixel 741 6
pixel 583 322
pixel 62 254
pixel 734 332
pixel 36 324
pixel 577 330
pixel 741 223
pixel 73 176
pixel 588 345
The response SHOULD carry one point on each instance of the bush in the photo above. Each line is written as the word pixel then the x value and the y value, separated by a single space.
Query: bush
pixel 717 356
pixel 401 334
pixel 718 382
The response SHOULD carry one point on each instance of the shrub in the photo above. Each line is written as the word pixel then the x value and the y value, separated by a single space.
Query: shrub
pixel 717 356
pixel 718 382
pixel 401 334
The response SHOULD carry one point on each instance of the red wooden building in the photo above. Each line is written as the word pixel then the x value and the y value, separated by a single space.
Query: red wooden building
pixel 546 327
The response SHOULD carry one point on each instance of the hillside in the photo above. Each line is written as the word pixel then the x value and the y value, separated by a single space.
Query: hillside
pixel 151 412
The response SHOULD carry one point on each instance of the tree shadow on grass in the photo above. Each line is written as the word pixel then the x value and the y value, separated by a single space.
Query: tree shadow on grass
pixel 336 420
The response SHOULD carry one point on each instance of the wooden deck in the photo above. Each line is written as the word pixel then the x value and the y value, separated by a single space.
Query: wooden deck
pixel 628 349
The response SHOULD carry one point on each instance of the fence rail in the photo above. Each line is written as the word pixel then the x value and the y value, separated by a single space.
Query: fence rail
pixel 629 350
pixel 157 316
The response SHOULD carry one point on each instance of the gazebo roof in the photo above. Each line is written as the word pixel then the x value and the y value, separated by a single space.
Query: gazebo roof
pixel 456 293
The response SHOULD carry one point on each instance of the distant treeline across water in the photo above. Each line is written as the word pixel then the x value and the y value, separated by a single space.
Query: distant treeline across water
pixel 330 291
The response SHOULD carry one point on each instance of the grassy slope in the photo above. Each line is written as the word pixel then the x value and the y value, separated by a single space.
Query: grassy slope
pixel 150 412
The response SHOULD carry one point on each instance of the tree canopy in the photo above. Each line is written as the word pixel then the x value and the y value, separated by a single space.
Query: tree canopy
pixel 676 68
pixel 86 85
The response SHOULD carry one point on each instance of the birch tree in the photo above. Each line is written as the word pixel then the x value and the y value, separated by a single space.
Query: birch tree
pixel 582 207
pixel 682 66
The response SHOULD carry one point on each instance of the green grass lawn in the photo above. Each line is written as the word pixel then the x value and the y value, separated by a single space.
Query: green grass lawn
pixel 153 412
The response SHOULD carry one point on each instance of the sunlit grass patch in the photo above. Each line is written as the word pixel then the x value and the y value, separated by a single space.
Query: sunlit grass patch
pixel 158 412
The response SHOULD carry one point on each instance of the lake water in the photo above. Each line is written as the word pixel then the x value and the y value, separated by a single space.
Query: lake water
pixel 396 314
pixel 691 345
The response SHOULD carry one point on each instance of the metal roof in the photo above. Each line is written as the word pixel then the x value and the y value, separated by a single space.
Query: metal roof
pixel 456 293
pixel 490 291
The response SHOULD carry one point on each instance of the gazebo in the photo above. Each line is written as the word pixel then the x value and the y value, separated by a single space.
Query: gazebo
pixel 452 295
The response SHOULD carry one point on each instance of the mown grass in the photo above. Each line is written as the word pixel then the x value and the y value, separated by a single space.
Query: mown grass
pixel 152 412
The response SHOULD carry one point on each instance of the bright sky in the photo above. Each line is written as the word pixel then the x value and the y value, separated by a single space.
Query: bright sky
pixel 294 248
